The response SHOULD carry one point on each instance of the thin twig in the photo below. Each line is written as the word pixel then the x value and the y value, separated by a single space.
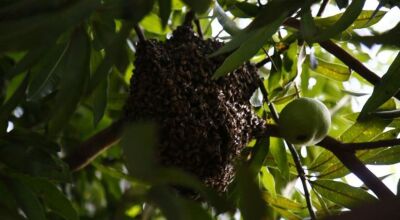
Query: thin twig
pixel 198 26
pixel 344 56
pixel 350 161
pixel 139 33
pixel 293 152
pixel 322 8
pixel 189 18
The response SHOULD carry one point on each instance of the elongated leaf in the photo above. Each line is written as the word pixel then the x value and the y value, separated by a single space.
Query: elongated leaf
pixel 342 194
pixel 387 87
pixel 345 21
pixel 259 152
pixel 52 197
pixel 331 70
pixel 99 100
pixel 363 20
pixel 29 60
pixel 18 96
pixel 46 75
pixel 226 22
pixel 283 203
pixel 27 200
pixel 387 38
pixel 388 114
pixel 251 203
pixel 76 71
pixel 245 10
pixel 165 7
pixel 247 49
pixel 307 24
pixel 176 208
pixel 278 151
pixel 28 32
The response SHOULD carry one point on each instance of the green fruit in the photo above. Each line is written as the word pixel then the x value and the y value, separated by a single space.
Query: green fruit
pixel 304 121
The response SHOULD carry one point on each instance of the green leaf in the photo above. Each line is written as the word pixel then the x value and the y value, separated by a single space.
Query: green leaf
pixel 27 32
pixel 46 75
pixel 27 200
pixel 200 6
pixel 283 202
pixel 363 20
pixel 151 23
pixel 386 38
pixel 259 153
pixel 268 181
pixel 225 21
pixel 75 69
pixel 16 98
pixel 138 143
pixel 332 71
pixel 176 208
pixel 248 49
pixel 307 25
pixel 99 101
pixel 341 193
pixel 387 87
pixel 165 7
pixel 278 151
pixel 51 196
pixel 244 10
pixel 345 21
pixel 251 203
pixel 31 58
pixel 387 114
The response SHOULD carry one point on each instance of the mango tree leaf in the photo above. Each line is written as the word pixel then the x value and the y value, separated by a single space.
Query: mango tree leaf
pixel 176 208
pixel 259 153
pixel 278 151
pixel 387 87
pixel 27 200
pixel 76 71
pixel 244 10
pixel 387 114
pixel 99 101
pixel 248 49
pixel 342 3
pixel 364 19
pixel 341 193
pixel 51 196
pixel 165 7
pixel 331 70
pixel 386 38
pixel 307 24
pixel 200 6
pixel 7 108
pixel 27 32
pixel 226 22
pixel 283 202
pixel 345 21
pixel 251 203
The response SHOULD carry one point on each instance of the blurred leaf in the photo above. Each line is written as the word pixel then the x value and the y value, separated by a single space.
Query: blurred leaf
pixel 76 71
pixel 9 215
pixel 332 70
pixel 27 200
pixel 363 20
pixel 388 86
pixel 138 143
pixel 345 21
pixel 226 22
pixel 200 6
pixel 152 23
pixel 244 10
pixel 31 58
pixel 251 203
pixel 165 7
pixel 176 208
pixel 134 11
pixel 307 24
pixel 386 38
pixel 342 3
pixel 341 193
pixel 268 181
pixel 27 32
pixel 16 98
pixel 51 196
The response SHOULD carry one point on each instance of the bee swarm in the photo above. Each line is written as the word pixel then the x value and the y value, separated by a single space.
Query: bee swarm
pixel 204 123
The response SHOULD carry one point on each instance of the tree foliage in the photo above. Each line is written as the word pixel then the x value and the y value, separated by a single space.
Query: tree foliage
pixel 65 69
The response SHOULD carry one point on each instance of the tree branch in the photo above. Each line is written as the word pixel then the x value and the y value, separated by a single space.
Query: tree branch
pixel 370 145
pixel 293 152
pixel 322 8
pixel 91 148
pixel 349 160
